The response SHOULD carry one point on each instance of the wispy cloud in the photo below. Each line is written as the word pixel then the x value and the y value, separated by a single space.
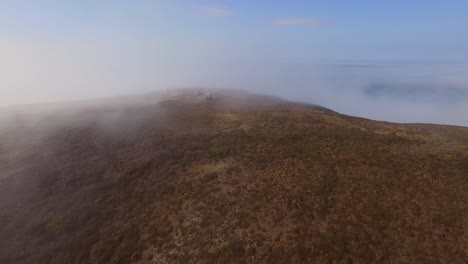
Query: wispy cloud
pixel 297 22
pixel 217 11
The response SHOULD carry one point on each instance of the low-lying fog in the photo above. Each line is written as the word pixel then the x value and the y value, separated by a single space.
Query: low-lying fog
pixel 355 58
pixel 428 93
pixel 419 93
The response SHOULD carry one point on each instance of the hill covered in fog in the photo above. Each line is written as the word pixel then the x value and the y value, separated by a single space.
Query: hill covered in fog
pixel 240 178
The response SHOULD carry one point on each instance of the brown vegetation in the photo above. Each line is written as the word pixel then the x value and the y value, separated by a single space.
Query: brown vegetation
pixel 243 179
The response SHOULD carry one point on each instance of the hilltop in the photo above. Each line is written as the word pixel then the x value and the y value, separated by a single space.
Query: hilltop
pixel 241 178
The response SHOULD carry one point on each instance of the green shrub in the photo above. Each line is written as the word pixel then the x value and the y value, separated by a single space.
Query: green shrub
pixel 50 223
pixel 220 150
pixel 54 223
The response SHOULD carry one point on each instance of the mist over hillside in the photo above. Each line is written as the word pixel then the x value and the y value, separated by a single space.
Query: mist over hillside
pixel 235 178
pixel 267 131
pixel 396 92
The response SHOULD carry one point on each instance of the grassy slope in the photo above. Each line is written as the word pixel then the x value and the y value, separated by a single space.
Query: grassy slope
pixel 218 182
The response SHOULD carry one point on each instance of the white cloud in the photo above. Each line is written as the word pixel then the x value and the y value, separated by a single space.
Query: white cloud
pixel 296 22
pixel 218 11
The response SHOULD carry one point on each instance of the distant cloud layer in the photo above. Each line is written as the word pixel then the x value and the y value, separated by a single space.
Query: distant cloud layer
pixel 217 11
pixel 36 70
pixel 296 22
pixel 417 92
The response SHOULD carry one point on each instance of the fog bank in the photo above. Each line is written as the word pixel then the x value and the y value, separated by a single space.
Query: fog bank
pixel 34 72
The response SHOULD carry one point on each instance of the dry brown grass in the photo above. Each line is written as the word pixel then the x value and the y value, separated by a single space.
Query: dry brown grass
pixel 211 182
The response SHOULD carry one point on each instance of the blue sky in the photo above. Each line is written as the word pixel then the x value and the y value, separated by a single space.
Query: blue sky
pixel 65 50
pixel 417 30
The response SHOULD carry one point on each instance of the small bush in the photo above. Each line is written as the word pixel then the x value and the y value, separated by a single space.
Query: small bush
pixel 220 150
pixel 50 223
pixel 54 223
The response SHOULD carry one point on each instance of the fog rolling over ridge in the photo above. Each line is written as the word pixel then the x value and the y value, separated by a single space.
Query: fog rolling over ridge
pixel 347 57
pixel 396 92
pixel 221 131
pixel 413 93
